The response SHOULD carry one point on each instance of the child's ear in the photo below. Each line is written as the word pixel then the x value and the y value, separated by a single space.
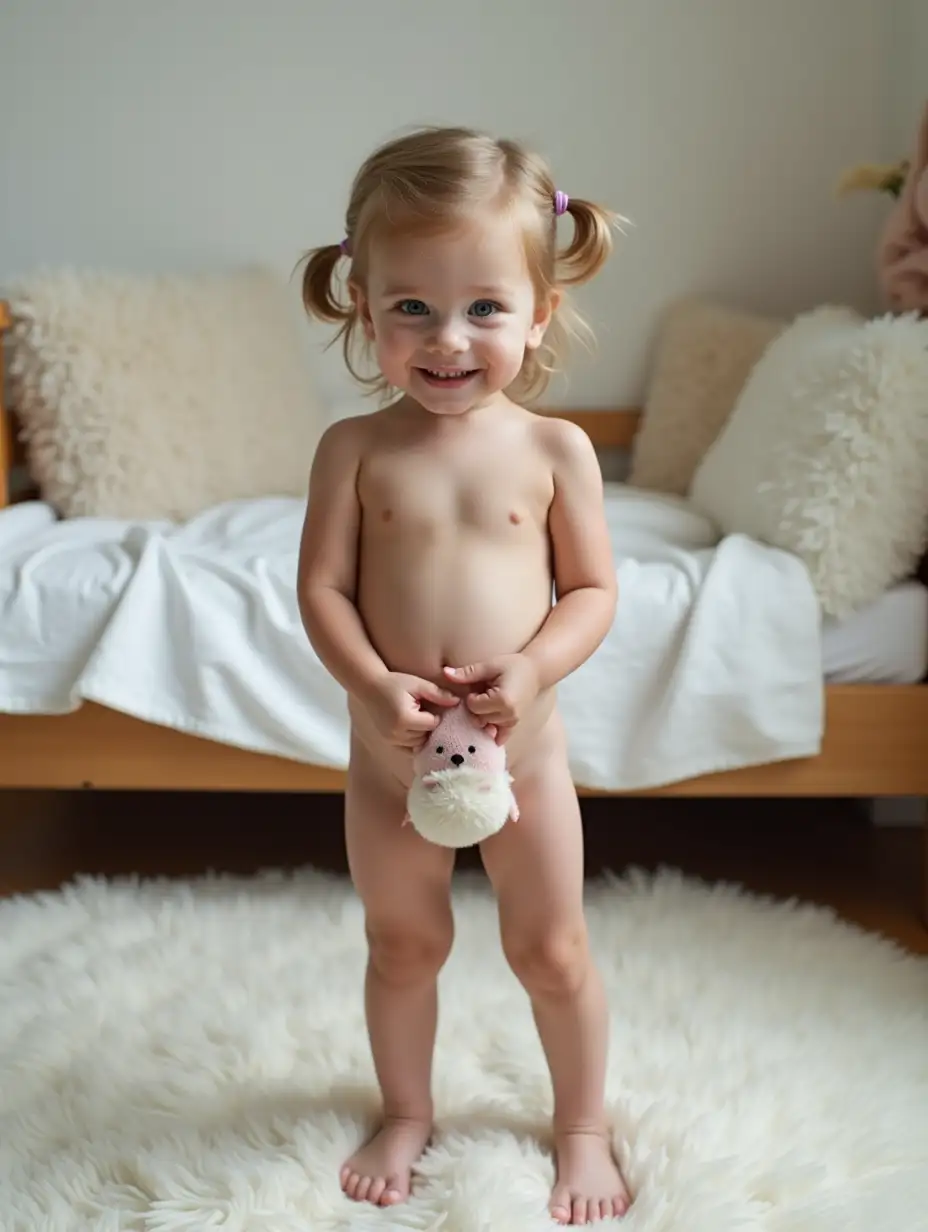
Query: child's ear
pixel 544 311
pixel 363 309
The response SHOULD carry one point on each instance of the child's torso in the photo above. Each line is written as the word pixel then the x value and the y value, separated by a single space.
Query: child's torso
pixel 455 562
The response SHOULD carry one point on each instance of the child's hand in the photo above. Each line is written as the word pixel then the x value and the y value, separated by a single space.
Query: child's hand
pixel 394 704
pixel 504 690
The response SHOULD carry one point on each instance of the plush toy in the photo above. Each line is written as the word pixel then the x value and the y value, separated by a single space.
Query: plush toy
pixel 462 791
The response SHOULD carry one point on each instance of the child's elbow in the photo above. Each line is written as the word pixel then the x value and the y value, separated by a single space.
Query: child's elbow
pixel 608 587
pixel 611 600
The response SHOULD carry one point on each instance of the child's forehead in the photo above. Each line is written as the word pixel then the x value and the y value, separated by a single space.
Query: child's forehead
pixel 484 251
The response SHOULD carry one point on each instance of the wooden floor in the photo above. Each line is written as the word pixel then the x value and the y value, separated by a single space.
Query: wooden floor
pixel 822 851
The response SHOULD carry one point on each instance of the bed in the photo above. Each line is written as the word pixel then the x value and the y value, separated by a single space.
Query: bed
pixel 874 699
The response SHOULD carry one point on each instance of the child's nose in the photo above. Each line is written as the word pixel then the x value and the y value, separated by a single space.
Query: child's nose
pixel 448 338
pixel 457 759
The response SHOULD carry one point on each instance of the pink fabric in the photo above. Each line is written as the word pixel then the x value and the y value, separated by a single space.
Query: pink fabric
pixel 458 733
pixel 903 250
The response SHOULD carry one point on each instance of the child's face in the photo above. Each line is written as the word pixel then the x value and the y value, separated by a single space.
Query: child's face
pixel 452 315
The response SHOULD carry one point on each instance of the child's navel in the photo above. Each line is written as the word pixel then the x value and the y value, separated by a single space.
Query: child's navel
pixel 387 515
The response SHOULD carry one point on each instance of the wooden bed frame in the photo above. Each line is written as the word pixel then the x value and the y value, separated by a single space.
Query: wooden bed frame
pixel 875 743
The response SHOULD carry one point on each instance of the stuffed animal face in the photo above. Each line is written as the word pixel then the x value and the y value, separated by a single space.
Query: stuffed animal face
pixel 460 741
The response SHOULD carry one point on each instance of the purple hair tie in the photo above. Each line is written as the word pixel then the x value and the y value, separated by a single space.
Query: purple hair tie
pixel 345 247
pixel 561 202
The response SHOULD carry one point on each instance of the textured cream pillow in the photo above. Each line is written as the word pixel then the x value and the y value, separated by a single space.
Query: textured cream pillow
pixel 160 397
pixel 826 453
pixel 705 353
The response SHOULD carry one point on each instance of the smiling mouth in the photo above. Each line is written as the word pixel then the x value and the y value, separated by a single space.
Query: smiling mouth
pixel 448 376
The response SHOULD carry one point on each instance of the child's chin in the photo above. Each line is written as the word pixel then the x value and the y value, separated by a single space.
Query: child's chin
pixel 449 407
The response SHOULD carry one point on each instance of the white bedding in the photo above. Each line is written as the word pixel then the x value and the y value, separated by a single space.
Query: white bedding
pixel 885 642
pixel 59 584
pixel 714 661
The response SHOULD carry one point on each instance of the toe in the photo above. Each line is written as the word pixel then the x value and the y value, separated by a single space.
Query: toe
pixel 578 1212
pixel 391 1197
pixel 351 1184
pixel 344 1175
pixel 620 1205
pixel 375 1193
pixel 363 1188
pixel 560 1205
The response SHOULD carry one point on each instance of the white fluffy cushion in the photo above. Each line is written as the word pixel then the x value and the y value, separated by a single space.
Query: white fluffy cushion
pixel 160 397
pixel 826 453
pixel 705 353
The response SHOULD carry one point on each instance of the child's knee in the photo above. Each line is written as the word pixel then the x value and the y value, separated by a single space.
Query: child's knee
pixel 406 954
pixel 550 962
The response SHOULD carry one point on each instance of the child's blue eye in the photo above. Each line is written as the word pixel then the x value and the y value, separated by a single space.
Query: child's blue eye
pixel 484 308
pixel 413 307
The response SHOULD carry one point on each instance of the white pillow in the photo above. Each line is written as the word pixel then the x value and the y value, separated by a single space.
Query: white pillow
pixel 826 453
pixel 160 397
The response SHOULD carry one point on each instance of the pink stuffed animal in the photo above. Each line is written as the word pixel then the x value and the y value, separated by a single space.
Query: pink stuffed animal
pixel 462 792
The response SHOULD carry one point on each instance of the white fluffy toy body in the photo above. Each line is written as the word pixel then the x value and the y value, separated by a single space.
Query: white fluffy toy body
pixel 462 792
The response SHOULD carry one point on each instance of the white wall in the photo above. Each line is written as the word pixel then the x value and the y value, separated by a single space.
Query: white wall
pixel 174 134
pixel 907 74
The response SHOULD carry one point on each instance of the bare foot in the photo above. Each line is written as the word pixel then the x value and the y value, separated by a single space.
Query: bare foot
pixel 380 1172
pixel 589 1184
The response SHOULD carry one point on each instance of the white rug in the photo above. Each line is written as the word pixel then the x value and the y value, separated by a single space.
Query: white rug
pixel 193 1057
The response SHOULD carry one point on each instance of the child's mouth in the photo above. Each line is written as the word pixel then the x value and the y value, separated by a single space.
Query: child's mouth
pixel 448 378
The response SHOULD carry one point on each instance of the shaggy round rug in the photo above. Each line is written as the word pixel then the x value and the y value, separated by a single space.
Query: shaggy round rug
pixel 182 1057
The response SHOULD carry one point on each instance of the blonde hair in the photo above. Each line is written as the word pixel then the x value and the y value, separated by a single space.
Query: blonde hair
pixel 427 181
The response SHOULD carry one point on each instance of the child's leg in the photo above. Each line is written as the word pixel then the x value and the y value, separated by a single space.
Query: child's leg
pixel 536 867
pixel 404 884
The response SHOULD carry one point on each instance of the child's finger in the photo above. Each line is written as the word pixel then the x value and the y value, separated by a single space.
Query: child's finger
pixel 418 721
pixel 428 692
pixel 473 673
pixel 481 703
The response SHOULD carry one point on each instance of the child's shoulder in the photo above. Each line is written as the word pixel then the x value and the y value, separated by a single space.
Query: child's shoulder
pixel 560 439
pixel 355 432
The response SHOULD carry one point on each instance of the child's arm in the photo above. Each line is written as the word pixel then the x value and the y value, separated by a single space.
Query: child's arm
pixel 585 588
pixel 327 590
pixel 327 569
pixel 584 568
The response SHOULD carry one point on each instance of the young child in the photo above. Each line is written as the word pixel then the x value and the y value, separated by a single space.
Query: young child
pixel 436 530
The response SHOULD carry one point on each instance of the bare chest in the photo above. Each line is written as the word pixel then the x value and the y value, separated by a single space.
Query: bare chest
pixel 435 496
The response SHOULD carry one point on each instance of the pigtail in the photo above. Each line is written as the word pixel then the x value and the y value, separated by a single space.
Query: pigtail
pixel 319 298
pixel 321 301
pixel 583 257
pixel 591 245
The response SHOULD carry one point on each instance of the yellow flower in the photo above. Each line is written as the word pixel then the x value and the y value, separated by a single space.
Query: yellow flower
pixel 874 177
